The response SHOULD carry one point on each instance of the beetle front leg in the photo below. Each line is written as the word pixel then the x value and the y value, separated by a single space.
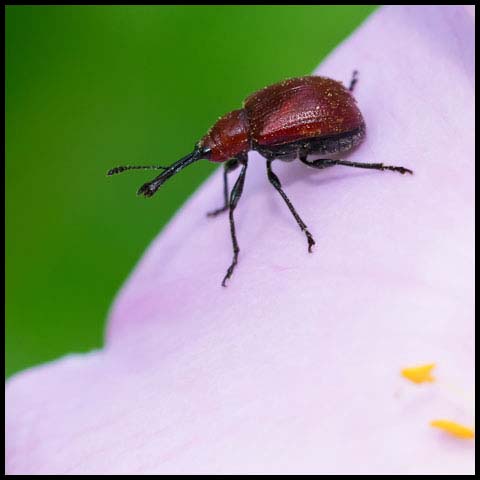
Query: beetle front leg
pixel 229 166
pixel 234 198
pixel 278 186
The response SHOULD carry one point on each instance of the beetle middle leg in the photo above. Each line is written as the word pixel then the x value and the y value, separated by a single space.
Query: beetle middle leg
pixel 234 198
pixel 229 166
pixel 278 186
pixel 323 163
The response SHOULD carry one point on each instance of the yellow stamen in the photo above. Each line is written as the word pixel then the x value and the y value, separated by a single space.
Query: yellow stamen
pixel 453 428
pixel 419 374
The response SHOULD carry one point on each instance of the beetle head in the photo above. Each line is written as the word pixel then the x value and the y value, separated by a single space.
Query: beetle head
pixel 227 138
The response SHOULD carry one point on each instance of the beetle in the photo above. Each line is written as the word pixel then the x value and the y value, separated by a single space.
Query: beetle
pixel 295 118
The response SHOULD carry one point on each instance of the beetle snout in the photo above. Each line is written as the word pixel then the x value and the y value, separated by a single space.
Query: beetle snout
pixel 147 189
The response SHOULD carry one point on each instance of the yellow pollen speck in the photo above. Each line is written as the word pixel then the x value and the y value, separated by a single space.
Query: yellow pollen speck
pixel 453 428
pixel 419 374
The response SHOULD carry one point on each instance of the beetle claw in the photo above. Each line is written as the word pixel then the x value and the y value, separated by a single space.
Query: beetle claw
pixel 311 242
pixel 401 170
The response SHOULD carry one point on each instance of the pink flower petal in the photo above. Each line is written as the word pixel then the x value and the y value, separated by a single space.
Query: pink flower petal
pixel 294 368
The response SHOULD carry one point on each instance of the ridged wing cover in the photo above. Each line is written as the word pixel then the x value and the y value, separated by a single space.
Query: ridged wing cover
pixel 299 108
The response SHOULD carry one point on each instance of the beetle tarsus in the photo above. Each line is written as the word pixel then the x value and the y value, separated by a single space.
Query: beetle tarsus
pixel 353 81
pixel 401 170
pixel 311 241
pixel 230 270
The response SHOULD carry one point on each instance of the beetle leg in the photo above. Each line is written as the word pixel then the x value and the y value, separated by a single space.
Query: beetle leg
pixel 229 166
pixel 234 198
pixel 353 81
pixel 375 166
pixel 319 164
pixel 278 186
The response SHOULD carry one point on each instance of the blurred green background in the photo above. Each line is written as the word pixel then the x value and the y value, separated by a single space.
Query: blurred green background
pixel 88 88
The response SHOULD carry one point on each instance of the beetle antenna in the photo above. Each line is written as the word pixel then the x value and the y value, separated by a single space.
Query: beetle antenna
pixel 149 188
pixel 116 170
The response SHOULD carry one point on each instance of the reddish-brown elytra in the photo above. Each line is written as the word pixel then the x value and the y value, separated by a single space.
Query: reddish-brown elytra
pixel 296 118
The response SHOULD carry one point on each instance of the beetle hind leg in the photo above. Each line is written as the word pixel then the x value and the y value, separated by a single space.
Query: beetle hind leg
pixel 324 163
pixel 353 81
pixel 374 166
pixel 278 186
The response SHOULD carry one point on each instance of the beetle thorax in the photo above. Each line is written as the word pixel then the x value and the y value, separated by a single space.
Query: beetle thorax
pixel 228 137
